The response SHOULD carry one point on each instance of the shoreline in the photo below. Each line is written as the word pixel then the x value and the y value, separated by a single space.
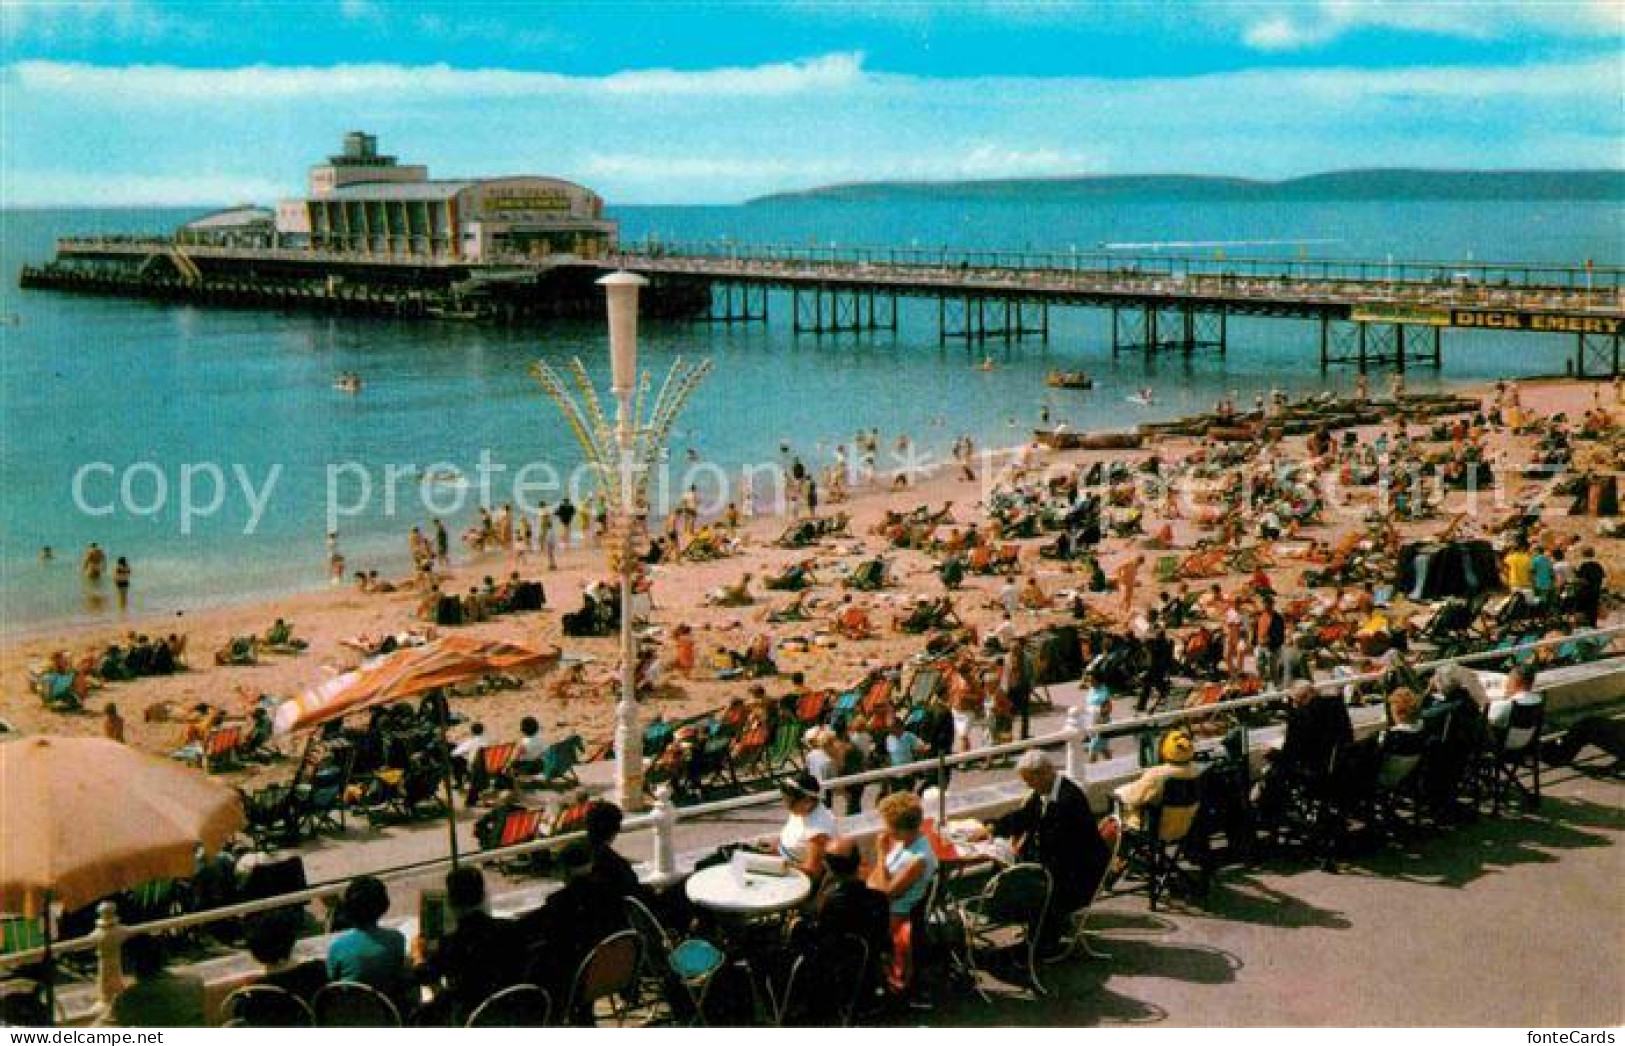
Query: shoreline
pixel 16 628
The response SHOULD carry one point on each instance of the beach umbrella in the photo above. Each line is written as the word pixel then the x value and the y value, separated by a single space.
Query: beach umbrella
pixel 407 673
pixel 85 817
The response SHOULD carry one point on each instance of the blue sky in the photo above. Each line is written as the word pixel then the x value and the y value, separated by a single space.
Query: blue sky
pixel 141 101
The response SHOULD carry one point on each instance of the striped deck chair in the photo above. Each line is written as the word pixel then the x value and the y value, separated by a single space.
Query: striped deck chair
pixel 981 560
pixel 877 699
pixel 498 759
pixel 19 933
pixel 811 705
pixel 221 748
pixel 572 818
pixel 785 752
pixel 1009 559
pixel 520 826
pixel 748 751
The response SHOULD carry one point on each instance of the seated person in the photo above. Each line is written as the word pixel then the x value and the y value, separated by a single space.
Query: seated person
pixel 475 959
pixel 532 749
pixel 569 924
pixel 845 905
pixel 1517 691
pixel 1032 595
pixel 271 939
pixel 610 870
pixel 368 953
pixel 1400 746
pixel 280 634
pixel 735 595
pixel 1055 827
pixel 1177 753
pixel 156 998
pixel 903 869
pixel 809 828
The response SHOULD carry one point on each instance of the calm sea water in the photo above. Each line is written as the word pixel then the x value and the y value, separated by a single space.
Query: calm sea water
pixel 148 389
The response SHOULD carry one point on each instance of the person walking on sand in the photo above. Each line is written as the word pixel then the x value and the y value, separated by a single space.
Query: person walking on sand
pixel 121 581
pixel 1128 580
pixel 547 537
pixel 566 513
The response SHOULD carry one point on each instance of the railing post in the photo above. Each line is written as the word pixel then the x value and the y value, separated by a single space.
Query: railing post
pixel 1076 748
pixel 109 962
pixel 665 818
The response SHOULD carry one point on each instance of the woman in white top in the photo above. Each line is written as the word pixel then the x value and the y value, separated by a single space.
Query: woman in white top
pixel 820 764
pixel 809 829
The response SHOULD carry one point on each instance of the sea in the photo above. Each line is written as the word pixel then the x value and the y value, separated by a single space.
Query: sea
pixel 210 447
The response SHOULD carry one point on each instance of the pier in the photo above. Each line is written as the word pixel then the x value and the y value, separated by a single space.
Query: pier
pixel 1371 314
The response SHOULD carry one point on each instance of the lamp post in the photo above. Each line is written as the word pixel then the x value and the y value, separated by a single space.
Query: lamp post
pixel 622 457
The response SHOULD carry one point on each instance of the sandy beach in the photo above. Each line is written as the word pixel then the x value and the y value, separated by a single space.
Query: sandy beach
pixel 328 615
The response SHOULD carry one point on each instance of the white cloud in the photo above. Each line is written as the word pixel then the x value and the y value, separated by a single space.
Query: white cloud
pixel 291 83
pixel 58 21
pixel 1288 25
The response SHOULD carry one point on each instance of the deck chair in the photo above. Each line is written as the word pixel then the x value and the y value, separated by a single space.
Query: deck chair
pixel 572 818
pixel 748 751
pixel 265 1006
pixel 221 748
pixel 1156 848
pixel 1167 568
pixel 518 827
pixel 20 933
pixel 785 752
pixel 519 1006
pixel 496 760
pixel 1008 560
pixel 1016 898
pixel 349 1004
pixel 846 706
pixel 559 760
pixel 810 706
pixel 323 806
pixel 610 971
pixel 981 560
pixel 1512 760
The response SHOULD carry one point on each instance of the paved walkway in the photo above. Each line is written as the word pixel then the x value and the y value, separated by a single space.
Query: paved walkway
pixel 1518 921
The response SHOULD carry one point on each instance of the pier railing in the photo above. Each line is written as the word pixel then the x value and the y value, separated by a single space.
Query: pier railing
pixel 108 936
pixel 1174 264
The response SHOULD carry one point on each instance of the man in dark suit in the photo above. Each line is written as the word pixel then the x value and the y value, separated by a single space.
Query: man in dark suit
pixel 571 922
pixel 1056 828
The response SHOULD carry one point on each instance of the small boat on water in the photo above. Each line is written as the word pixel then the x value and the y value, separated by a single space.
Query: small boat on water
pixel 448 477
pixel 1067 439
pixel 349 382
pixel 1069 379
pixel 1143 398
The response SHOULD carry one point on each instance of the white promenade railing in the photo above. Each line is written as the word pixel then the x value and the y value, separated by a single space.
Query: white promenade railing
pixel 108 936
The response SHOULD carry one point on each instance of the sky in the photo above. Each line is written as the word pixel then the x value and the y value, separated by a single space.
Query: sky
pixel 148 102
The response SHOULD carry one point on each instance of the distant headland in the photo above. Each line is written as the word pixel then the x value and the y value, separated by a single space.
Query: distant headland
pixel 1374 184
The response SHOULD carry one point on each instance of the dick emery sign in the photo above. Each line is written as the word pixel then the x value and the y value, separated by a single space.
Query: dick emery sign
pixel 1489 319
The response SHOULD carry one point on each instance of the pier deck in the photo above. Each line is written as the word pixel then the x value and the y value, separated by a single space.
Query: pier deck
pixel 1371 313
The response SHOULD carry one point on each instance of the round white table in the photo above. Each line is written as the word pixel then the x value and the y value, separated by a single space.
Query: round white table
pixel 721 889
